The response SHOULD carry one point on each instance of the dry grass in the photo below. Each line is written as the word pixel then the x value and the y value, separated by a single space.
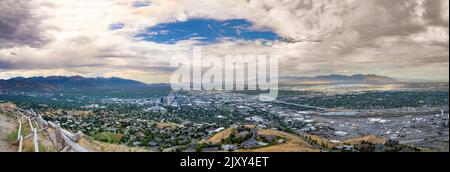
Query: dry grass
pixel 282 148
pixel 293 143
pixel 217 138
pixel 250 126
pixel 97 146
pixel 368 138
pixel 166 125
pixel 427 149
pixel 321 141
pixel 44 143
pixel 58 112
pixel 8 106
pixel 27 146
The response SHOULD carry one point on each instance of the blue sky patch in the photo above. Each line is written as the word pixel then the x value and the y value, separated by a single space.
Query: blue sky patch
pixel 206 31
pixel 141 3
pixel 116 26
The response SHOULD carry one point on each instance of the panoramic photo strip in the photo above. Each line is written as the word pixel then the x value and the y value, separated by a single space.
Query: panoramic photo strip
pixel 224 77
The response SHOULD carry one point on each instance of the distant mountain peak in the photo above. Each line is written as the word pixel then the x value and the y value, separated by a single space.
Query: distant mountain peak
pixel 67 82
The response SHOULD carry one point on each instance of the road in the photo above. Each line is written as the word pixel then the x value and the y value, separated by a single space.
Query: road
pixel 7 125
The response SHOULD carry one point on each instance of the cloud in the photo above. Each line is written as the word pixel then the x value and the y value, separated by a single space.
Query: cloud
pixel 396 38
pixel 19 25
pixel 436 12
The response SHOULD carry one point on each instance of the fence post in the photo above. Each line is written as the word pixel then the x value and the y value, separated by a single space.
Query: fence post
pixel 20 143
pixel 37 124
pixel 58 138
pixel 19 133
pixel 35 140
pixel 31 125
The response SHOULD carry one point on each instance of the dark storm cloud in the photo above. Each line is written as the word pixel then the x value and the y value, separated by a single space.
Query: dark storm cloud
pixel 5 65
pixel 18 26
pixel 434 14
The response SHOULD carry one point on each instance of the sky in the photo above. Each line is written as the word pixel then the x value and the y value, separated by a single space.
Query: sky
pixel 135 39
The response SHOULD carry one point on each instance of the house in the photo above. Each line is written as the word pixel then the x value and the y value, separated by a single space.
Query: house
pixel 137 143
pixel 268 138
pixel 243 134
pixel 392 142
pixel 250 144
pixel 152 144
pixel 378 147
pixel 210 149
pixel 189 150
pixel 156 108
pixel 340 133
pixel 307 128
pixel 218 130
pixel 111 130
pixel 229 147
pixel 346 148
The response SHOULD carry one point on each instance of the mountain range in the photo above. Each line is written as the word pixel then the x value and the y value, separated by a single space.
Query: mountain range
pixel 79 82
pixel 72 82
pixel 345 79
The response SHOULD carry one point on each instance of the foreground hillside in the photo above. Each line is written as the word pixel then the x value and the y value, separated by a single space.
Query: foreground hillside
pixel 9 129
pixel 7 125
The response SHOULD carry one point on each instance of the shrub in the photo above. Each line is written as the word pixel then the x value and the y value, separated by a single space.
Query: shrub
pixel 108 137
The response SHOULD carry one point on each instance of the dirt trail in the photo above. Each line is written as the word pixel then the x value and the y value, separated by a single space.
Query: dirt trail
pixel 7 125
